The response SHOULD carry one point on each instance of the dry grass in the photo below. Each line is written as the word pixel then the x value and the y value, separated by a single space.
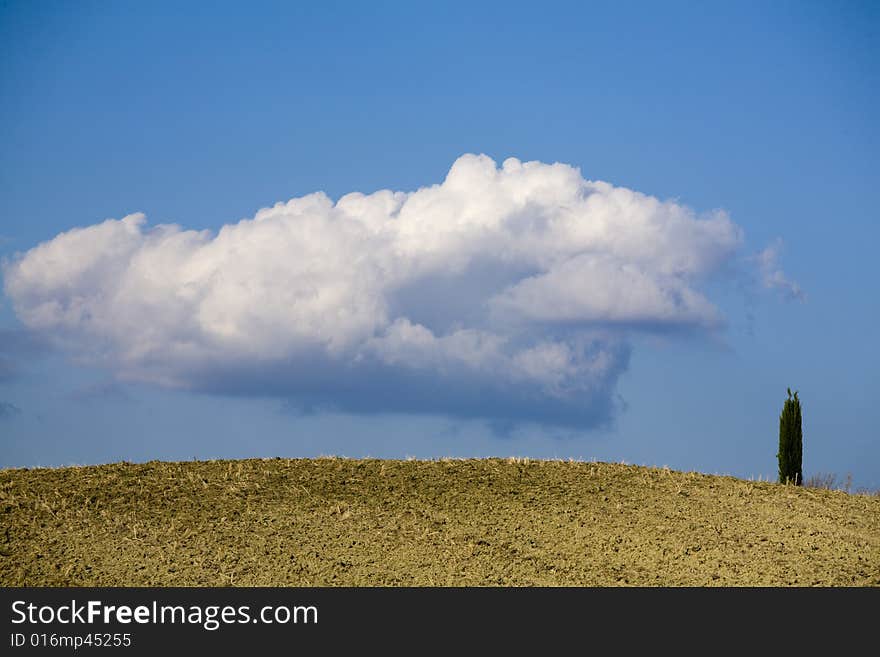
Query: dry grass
pixel 830 481
pixel 497 522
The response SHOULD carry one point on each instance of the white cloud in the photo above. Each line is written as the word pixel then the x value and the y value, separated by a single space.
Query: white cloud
pixel 772 276
pixel 519 282
pixel 592 288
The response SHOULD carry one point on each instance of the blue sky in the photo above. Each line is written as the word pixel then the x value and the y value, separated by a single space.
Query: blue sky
pixel 202 115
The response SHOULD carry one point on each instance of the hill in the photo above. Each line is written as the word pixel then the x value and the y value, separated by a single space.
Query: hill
pixel 495 522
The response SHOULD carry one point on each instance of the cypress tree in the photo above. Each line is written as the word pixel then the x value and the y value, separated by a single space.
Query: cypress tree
pixel 790 441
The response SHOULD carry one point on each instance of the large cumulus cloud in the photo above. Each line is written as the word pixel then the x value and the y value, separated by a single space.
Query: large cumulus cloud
pixel 505 292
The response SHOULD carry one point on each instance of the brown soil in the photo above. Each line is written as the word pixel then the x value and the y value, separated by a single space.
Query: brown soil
pixel 513 522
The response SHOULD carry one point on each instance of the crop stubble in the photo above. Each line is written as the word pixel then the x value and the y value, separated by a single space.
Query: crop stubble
pixel 447 522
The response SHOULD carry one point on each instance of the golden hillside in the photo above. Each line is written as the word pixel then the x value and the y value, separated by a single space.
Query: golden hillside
pixel 485 522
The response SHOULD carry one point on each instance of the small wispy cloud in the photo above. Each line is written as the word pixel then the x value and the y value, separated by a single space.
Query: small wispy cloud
pixel 772 276
pixel 8 410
